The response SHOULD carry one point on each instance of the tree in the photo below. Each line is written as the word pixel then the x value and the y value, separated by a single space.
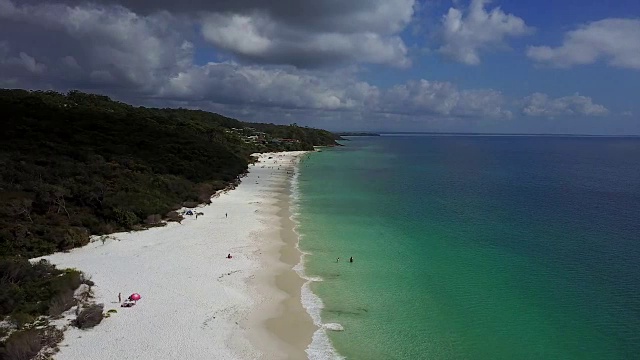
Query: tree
pixel 21 207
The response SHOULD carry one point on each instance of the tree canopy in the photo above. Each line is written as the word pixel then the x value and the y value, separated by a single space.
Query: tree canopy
pixel 76 164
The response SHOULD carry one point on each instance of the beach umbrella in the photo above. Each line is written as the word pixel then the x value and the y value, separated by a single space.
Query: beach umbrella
pixel 135 297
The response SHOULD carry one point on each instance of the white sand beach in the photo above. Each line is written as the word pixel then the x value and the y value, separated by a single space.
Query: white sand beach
pixel 196 303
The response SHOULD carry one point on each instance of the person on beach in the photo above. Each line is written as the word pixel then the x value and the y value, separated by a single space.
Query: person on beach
pixel 351 259
pixel 225 215
pixel 229 256
pixel 119 297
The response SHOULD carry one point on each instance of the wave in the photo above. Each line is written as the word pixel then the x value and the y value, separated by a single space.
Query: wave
pixel 320 347
pixel 333 327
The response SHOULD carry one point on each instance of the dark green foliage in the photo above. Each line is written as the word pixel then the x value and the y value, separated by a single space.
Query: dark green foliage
pixel 28 290
pixel 22 345
pixel 80 164
pixel 26 344
pixel 61 302
pixel 90 316
pixel 308 137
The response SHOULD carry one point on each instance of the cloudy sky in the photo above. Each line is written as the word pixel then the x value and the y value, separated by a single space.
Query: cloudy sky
pixel 523 66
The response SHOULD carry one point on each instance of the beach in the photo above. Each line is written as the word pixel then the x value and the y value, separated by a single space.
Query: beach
pixel 195 302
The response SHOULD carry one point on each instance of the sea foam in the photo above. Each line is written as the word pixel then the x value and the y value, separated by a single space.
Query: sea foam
pixel 320 347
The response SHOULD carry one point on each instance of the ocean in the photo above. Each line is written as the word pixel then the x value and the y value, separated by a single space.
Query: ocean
pixel 472 247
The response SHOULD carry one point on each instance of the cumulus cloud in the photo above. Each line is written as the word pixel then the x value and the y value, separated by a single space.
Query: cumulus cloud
pixel 113 44
pixel 256 37
pixel 20 64
pixel 149 56
pixel 368 35
pixel 443 98
pixel 538 104
pixel 303 33
pixel 231 83
pixel 465 33
pixel 112 48
pixel 616 41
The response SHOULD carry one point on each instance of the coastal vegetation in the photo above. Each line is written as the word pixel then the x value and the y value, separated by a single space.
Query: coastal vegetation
pixel 75 165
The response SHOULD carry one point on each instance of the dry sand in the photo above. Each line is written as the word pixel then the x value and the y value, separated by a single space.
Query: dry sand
pixel 196 304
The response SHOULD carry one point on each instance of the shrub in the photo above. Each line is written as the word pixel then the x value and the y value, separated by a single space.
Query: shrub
pixel 190 204
pixel 51 336
pixel 21 319
pixel 74 237
pixel 61 303
pixel 174 216
pixel 86 280
pixel 153 219
pixel 90 316
pixel 4 331
pixel 69 280
pixel 22 345
pixel 125 218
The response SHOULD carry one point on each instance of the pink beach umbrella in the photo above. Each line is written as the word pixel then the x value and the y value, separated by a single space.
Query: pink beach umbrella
pixel 135 297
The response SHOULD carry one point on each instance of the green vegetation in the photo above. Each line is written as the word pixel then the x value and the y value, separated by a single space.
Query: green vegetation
pixel 79 164
pixel 90 316
pixel 29 290
pixel 75 165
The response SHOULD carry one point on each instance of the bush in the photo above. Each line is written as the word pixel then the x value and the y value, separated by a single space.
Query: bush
pixel 21 319
pixel 90 316
pixel 125 218
pixel 74 237
pixel 61 303
pixel 22 345
pixel 153 219
pixel 174 216
pixel 51 336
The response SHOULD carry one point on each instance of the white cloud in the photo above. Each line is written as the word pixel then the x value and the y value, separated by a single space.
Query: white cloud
pixel 231 83
pixel 30 63
pixel 150 59
pixel 443 98
pixel 466 33
pixel 366 37
pixel 238 33
pixel 617 41
pixel 113 44
pixel 22 61
pixel 538 104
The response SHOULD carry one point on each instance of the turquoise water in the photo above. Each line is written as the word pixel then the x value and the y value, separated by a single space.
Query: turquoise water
pixel 476 247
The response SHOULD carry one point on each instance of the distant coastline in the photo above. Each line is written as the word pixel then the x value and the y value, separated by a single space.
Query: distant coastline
pixel 392 133
pixel 357 134
pixel 428 133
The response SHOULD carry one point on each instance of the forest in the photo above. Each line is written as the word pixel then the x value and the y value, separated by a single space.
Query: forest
pixel 74 165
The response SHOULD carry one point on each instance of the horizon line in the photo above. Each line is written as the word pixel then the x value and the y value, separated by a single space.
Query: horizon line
pixel 381 133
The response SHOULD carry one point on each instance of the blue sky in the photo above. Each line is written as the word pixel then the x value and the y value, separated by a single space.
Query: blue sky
pixel 467 65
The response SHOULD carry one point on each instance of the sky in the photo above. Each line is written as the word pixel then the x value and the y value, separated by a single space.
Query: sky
pixel 502 66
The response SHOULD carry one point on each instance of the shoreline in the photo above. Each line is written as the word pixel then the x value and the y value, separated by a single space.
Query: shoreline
pixel 195 302
pixel 283 319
